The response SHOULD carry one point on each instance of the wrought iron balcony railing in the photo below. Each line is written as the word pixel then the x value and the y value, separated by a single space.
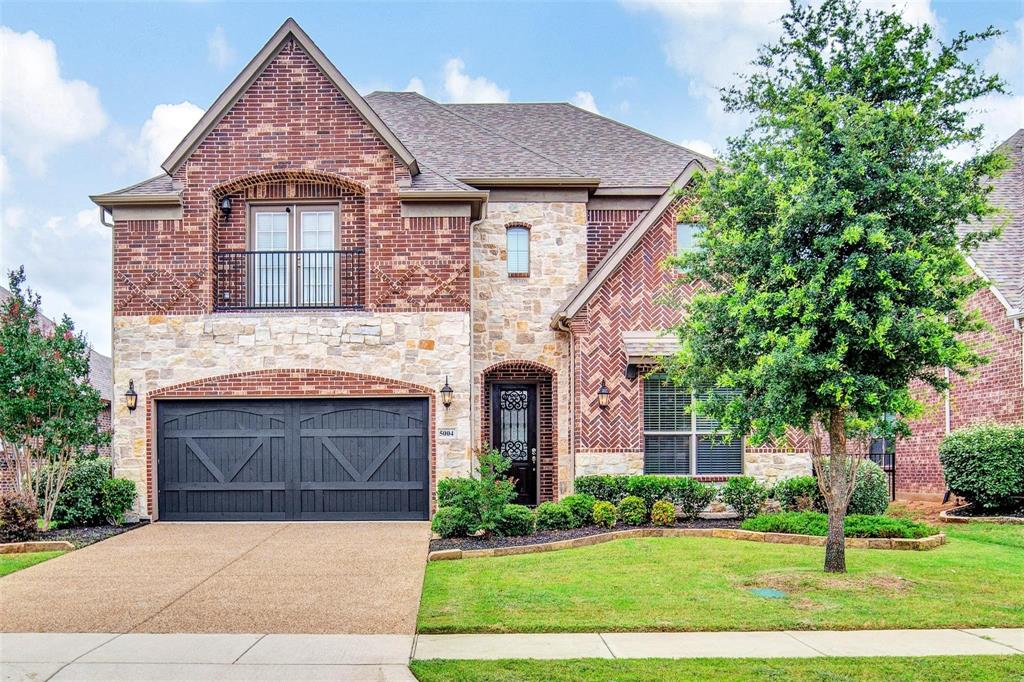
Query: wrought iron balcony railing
pixel 257 280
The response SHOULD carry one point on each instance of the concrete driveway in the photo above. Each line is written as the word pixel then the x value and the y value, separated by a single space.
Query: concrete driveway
pixel 228 578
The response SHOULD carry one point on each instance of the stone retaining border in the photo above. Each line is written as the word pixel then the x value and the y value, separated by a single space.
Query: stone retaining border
pixel 35 546
pixel 929 542
pixel 950 518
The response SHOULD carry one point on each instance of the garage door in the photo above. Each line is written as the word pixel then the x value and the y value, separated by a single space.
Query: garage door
pixel 269 460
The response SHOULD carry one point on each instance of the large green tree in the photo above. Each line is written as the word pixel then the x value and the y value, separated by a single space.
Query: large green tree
pixel 833 269
pixel 48 409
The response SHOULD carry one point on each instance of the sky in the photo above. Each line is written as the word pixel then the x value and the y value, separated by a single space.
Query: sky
pixel 93 96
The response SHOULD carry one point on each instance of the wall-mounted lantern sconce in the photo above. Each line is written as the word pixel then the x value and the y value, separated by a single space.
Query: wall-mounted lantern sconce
pixel 131 398
pixel 225 207
pixel 446 394
pixel 603 395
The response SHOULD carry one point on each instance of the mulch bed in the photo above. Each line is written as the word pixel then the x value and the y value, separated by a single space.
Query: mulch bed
pixel 82 536
pixel 556 535
pixel 974 511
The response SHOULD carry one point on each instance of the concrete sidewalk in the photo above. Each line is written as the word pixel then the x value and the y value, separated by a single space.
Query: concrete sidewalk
pixel 134 656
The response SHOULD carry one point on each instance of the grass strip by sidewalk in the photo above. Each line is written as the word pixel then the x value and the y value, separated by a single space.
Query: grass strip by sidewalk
pixel 694 584
pixel 9 563
pixel 923 669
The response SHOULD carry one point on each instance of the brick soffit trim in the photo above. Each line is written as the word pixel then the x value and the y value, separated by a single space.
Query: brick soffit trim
pixel 289 29
pixel 610 263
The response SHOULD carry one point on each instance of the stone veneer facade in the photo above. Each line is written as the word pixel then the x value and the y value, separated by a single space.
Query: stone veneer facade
pixel 512 315
pixel 159 352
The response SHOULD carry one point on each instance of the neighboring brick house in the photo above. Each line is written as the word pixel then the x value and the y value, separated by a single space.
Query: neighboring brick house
pixel 993 392
pixel 100 376
pixel 316 273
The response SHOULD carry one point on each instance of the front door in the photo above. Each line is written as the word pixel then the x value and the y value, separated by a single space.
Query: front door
pixel 514 433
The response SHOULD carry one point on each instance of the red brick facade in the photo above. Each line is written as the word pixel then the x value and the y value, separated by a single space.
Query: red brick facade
pixel 625 302
pixel 992 393
pixel 282 383
pixel 292 135
pixel 604 227
pixel 526 372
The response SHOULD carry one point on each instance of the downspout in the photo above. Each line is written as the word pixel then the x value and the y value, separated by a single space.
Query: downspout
pixel 473 398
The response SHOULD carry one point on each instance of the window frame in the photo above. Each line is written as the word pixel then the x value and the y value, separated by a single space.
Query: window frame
pixel 508 251
pixel 695 228
pixel 694 434
pixel 294 289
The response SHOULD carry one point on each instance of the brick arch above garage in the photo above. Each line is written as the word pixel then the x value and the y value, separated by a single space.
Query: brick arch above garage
pixel 283 383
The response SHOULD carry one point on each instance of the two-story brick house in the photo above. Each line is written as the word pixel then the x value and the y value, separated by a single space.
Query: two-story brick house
pixel 328 301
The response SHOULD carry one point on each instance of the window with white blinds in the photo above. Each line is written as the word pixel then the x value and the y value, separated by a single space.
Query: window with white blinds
pixel 678 442
pixel 517 245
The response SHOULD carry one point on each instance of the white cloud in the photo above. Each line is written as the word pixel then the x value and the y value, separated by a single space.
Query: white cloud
pixel 415 85
pixel 41 111
pixel 700 146
pixel 461 87
pixel 585 100
pixel 160 134
pixel 1007 57
pixel 5 174
pixel 710 41
pixel 67 260
pixel 1001 116
pixel 218 51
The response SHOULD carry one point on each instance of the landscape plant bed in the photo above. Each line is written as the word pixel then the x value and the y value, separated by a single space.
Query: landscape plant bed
pixel 972 512
pixel 82 536
pixel 548 536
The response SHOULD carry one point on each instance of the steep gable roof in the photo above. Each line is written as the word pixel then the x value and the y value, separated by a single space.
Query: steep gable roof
pixel 1001 260
pixel 289 29
pixel 630 238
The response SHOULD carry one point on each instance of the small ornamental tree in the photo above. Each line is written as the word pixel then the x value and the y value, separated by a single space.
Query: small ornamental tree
pixel 833 269
pixel 48 409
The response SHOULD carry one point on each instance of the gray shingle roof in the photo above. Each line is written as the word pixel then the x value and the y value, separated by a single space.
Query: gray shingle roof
pixel 161 184
pixel 592 145
pixel 1002 259
pixel 100 366
pixel 457 147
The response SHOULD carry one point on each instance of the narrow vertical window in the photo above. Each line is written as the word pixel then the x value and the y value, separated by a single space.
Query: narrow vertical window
pixel 517 246
pixel 686 237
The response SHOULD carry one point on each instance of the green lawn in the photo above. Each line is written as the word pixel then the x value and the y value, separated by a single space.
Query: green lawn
pixel 9 563
pixel 936 668
pixel 703 584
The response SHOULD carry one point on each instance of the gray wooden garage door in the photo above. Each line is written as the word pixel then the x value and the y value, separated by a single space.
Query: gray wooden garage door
pixel 269 460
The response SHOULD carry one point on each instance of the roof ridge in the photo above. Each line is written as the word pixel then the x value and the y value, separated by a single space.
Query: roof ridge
pixel 505 137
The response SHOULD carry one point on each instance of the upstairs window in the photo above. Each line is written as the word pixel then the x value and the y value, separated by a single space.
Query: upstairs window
pixel 517 247
pixel 679 442
pixel 686 237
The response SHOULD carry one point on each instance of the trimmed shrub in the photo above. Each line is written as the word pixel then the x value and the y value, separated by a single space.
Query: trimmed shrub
pixel 553 516
pixel 581 506
pixel 691 496
pixel 870 491
pixel 632 511
pixel 799 493
pixel 484 497
pixel 451 522
pixel 516 520
pixel 457 492
pixel 855 526
pixel 663 513
pixel 985 465
pixel 648 488
pixel 80 501
pixel 603 487
pixel 18 515
pixel 744 494
pixel 117 495
pixel 604 514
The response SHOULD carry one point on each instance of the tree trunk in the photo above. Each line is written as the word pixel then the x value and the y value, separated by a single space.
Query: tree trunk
pixel 835 544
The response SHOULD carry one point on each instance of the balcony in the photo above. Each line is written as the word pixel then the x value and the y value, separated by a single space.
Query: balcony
pixel 283 280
